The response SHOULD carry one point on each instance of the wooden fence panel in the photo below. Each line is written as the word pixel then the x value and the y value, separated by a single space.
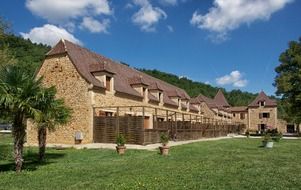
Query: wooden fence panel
pixel 106 130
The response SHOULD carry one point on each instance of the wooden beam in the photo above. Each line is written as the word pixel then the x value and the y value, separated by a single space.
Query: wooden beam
pixel 117 120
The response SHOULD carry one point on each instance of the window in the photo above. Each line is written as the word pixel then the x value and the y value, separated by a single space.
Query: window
pixel 234 115
pixel 262 103
pixel 160 96
pixel 261 127
pixel 108 83
pixel 264 115
pixel 242 115
pixel 143 92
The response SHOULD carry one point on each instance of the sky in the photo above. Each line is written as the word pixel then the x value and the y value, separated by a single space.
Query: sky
pixel 234 44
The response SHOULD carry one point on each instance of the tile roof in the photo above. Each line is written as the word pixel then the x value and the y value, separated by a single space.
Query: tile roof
pixel 239 109
pixel 155 86
pixel 153 98
pixel 210 102
pixel 263 97
pixel 87 62
pixel 220 99
pixel 193 108
pixel 137 80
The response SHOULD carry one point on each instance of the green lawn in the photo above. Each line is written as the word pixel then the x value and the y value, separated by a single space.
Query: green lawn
pixel 224 164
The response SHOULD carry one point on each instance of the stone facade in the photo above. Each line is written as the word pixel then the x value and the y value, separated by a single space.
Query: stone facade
pixel 262 117
pixel 85 102
pixel 241 117
pixel 59 71
pixel 91 90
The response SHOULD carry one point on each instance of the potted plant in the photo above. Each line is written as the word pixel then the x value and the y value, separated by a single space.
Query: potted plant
pixel 164 149
pixel 267 141
pixel 120 141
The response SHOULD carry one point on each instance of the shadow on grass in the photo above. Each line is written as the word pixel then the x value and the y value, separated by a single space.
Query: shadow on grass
pixel 31 162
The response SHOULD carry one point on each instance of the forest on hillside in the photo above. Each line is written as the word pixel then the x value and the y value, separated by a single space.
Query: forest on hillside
pixel 26 54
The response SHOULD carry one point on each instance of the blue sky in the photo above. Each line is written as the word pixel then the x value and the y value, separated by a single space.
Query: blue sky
pixel 231 44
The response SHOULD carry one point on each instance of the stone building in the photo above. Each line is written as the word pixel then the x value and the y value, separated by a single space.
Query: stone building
pixel 93 85
pixel 260 115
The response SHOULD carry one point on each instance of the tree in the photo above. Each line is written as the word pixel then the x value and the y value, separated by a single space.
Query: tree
pixel 288 80
pixel 18 95
pixel 4 27
pixel 54 113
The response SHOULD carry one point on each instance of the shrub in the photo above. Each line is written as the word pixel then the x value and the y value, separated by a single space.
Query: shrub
pixel 120 140
pixel 267 137
pixel 272 134
pixel 164 139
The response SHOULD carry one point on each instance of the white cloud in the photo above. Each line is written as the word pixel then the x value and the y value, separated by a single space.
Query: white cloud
pixel 169 2
pixel 147 16
pixel 170 28
pixel 69 13
pixel 57 11
pixel 95 26
pixel 49 34
pixel 227 15
pixel 235 78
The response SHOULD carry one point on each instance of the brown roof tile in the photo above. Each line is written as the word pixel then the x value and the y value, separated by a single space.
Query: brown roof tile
pixel 137 80
pixel 210 102
pixel 193 108
pixel 87 62
pixel 155 86
pixel 220 99
pixel 153 98
pixel 239 109
pixel 263 97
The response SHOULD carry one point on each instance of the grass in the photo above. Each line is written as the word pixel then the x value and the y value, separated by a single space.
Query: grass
pixel 223 164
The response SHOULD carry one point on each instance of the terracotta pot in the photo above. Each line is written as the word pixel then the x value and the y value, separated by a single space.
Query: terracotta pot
pixel 120 149
pixel 164 150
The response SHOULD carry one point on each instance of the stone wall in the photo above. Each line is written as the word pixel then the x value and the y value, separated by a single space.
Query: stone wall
pixel 255 120
pixel 60 71
pixel 237 117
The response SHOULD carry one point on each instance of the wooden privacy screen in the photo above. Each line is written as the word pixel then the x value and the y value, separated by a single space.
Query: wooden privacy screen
pixel 106 130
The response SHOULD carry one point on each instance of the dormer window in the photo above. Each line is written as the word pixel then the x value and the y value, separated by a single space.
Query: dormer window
pixel 262 103
pixel 143 92
pixel 108 83
pixel 160 95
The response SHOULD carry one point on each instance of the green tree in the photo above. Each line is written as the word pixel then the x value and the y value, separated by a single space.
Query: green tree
pixel 288 80
pixel 18 95
pixel 54 113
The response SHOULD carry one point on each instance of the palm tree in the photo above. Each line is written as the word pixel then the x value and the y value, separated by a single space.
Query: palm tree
pixel 54 113
pixel 18 94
